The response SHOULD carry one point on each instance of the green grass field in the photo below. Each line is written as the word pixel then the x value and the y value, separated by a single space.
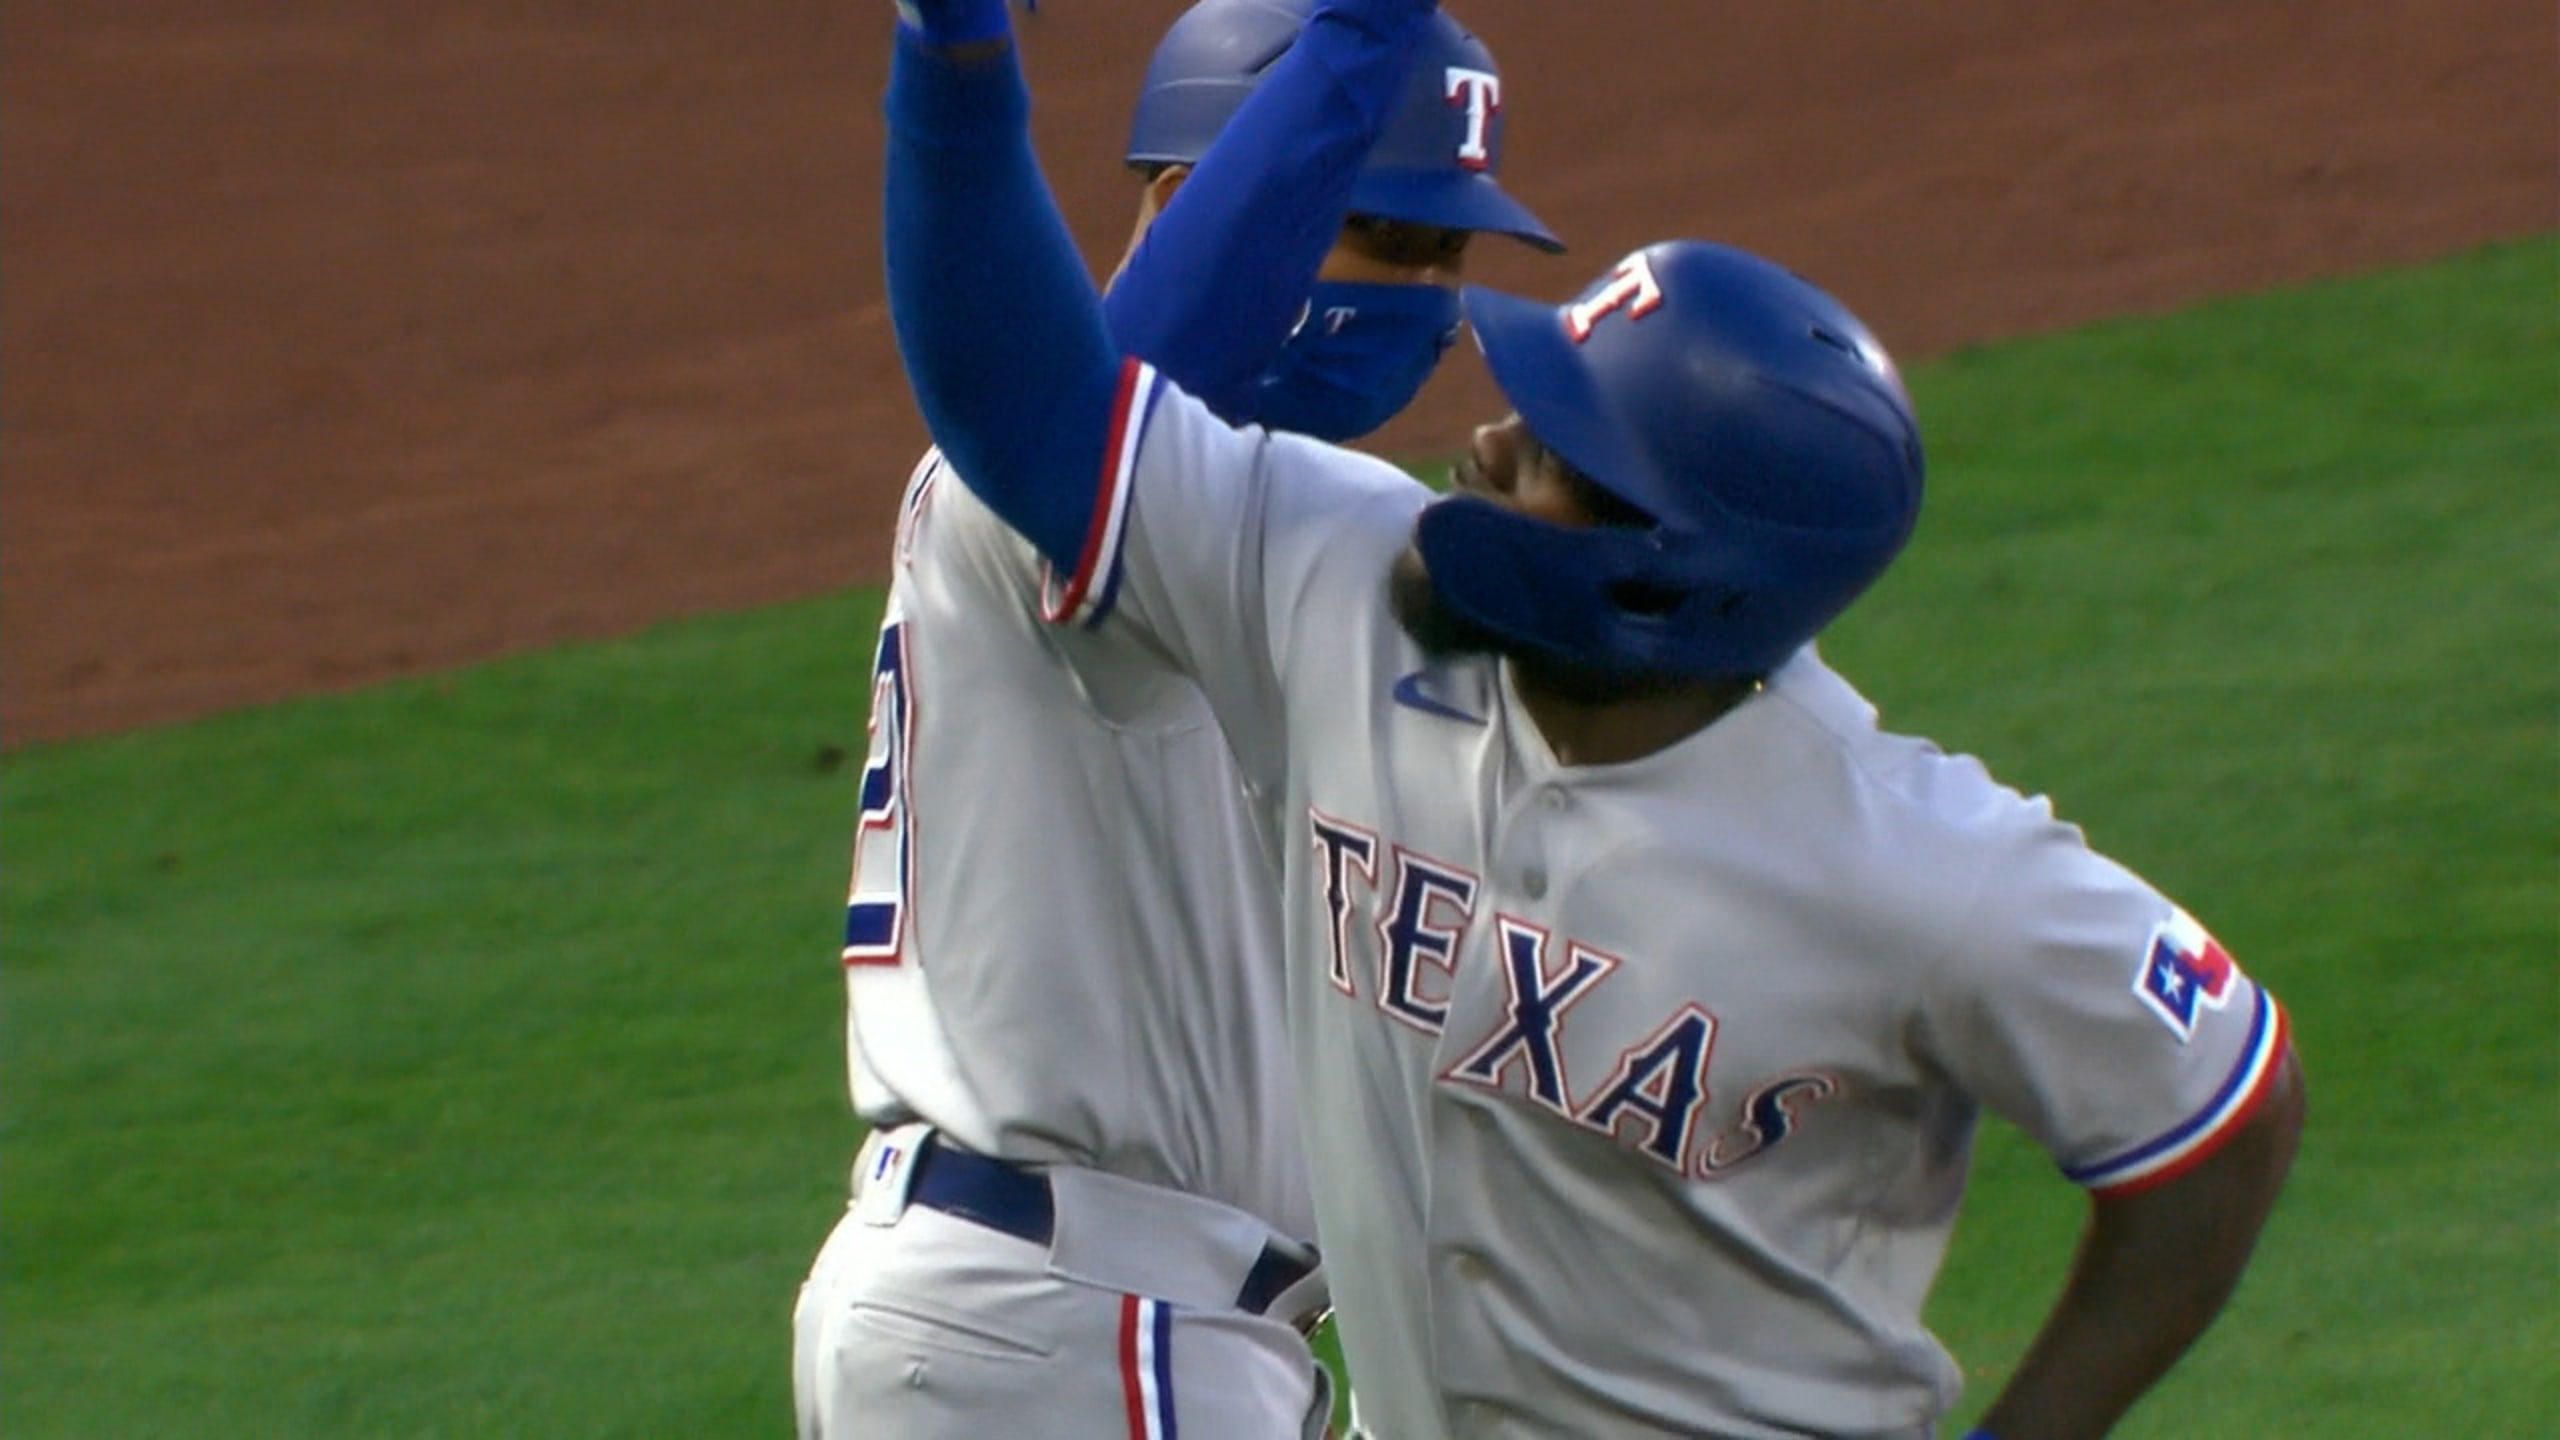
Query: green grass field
pixel 464 1057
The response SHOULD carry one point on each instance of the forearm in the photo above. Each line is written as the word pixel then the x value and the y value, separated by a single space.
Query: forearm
pixel 1219 280
pixel 997 322
pixel 2153 1270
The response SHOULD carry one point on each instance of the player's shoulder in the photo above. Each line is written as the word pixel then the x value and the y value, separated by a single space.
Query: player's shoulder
pixel 1296 475
pixel 967 591
pixel 913 502
pixel 1345 496
pixel 1953 850
pixel 1919 810
pixel 944 527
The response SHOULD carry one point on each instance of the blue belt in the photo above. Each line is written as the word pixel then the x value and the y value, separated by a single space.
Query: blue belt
pixel 1015 1201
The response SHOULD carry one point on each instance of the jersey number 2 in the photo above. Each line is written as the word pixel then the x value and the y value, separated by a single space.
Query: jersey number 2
pixel 875 910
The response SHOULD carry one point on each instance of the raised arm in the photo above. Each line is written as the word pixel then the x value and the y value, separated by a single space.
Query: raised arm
pixel 1220 279
pixel 1013 363
pixel 999 328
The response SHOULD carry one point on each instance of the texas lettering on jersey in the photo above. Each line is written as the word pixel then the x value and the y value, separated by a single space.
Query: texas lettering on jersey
pixel 1420 911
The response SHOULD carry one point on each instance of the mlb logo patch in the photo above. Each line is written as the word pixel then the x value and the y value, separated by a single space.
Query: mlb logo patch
pixel 2184 972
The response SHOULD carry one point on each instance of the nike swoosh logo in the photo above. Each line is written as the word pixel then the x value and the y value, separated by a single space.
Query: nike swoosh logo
pixel 1410 694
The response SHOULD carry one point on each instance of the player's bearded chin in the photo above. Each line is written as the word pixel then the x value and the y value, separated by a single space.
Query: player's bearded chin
pixel 1426 619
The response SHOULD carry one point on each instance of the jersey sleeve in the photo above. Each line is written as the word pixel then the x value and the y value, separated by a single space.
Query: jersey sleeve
pixel 2096 1015
pixel 970 586
pixel 1229 550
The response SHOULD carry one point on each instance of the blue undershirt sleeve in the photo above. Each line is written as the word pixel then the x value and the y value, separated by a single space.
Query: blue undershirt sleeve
pixel 997 322
pixel 1220 279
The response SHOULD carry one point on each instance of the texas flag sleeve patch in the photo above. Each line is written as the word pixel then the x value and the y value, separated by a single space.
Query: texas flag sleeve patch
pixel 2185 972
pixel 2186 976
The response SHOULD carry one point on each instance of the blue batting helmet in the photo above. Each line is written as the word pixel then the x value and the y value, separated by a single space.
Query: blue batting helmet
pixel 1748 415
pixel 1436 161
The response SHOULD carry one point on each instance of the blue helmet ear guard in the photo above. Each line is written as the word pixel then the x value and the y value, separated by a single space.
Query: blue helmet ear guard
pixel 1750 416
pixel 1656 602
pixel 1436 162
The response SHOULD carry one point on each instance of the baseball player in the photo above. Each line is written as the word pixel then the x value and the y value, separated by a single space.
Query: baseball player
pixel 1644 992
pixel 1082 1210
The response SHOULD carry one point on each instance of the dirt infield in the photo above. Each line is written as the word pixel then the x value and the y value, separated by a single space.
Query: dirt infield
pixel 352 340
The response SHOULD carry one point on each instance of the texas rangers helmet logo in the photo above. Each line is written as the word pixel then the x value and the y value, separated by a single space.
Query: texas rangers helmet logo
pixel 1481 92
pixel 1631 287
pixel 2184 972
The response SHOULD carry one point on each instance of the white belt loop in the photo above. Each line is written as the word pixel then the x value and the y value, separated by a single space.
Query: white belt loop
pixel 1146 1240
pixel 882 1170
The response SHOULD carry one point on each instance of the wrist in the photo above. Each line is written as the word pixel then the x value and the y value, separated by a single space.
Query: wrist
pixel 949 102
pixel 955 22
pixel 1382 21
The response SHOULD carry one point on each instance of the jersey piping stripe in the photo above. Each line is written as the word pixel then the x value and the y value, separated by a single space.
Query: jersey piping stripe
pixel 1133 1400
pixel 2186 1147
pixel 1160 1350
pixel 1085 597
pixel 1142 389
pixel 911 510
pixel 1146 1367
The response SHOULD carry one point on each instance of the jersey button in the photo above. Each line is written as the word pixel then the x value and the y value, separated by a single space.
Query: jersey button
pixel 1533 883
pixel 1556 800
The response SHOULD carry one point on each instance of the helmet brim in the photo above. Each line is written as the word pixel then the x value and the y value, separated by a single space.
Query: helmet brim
pixel 1539 369
pixel 1452 200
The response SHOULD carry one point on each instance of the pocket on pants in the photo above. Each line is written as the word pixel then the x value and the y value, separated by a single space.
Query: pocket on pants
pixel 972 1335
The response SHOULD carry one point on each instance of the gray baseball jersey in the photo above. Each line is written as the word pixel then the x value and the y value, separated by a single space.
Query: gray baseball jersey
pixel 1643 1093
pixel 1062 936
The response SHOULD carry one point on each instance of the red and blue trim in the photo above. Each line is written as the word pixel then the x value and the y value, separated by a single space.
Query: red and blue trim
pixel 1146 1367
pixel 911 509
pixel 2161 1160
pixel 1086 596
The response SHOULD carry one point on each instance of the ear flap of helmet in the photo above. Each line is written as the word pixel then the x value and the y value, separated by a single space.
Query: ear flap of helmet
pixel 1735 603
pixel 1603 597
